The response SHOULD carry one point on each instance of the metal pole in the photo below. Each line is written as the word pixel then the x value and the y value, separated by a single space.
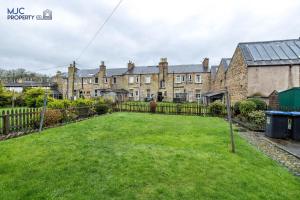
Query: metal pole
pixel 230 121
pixel 44 110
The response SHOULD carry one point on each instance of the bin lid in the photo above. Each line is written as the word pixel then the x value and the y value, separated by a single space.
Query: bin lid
pixel 275 112
pixel 297 114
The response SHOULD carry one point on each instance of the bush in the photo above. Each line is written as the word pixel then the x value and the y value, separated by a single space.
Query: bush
pixel 83 107
pixel 257 117
pixel 52 117
pixel 34 96
pixel 101 108
pixel 236 108
pixel 246 107
pixel 260 104
pixel 59 104
pixel 216 108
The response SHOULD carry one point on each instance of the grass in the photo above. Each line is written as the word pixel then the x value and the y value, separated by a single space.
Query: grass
pixel 140 156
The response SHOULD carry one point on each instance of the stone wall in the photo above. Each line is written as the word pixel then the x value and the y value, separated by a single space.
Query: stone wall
pixel 236 77
pixel 219 81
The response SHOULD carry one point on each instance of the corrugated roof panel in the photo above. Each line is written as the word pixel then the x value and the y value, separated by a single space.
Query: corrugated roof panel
pixel 262 52
pixel 287 50
pixel 246 53
pixel 254 52
pixel 295 48
pixel 279 51
pixel 270 51
pixel 297 43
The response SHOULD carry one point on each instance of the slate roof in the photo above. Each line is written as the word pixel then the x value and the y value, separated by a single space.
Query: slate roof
pixel 143 70
pixel 30 84
pixel 213 70
pixel 279 52
pixel 225 62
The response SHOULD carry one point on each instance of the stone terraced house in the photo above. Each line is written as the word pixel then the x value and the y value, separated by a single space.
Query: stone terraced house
pixel 163 82
pixel 255 69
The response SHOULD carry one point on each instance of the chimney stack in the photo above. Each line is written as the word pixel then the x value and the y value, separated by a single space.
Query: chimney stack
pixel 130 65
pixel 102 66
pixel 205 63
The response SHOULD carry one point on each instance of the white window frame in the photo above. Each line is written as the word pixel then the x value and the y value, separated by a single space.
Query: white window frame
pixel 131 80
pixel 177 79
pixel 147 79
pixel 183 78
pixel 198 80
pixel 198 93
pixel 190 79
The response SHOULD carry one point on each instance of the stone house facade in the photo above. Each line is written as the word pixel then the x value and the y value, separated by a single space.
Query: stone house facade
pixel 255 69
pixel 258 68
pixel 163 82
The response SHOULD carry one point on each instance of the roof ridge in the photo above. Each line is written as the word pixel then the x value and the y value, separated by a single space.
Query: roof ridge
pixel 270 41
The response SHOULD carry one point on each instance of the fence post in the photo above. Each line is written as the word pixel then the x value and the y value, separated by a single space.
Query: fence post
pixel 5 124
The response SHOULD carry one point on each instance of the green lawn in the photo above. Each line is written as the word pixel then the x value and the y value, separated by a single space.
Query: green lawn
pixel 140 156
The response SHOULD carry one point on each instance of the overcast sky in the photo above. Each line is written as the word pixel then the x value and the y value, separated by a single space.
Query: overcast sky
pixel 184 31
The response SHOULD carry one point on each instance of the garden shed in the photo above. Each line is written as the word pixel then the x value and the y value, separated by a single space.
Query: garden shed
pixel 290 98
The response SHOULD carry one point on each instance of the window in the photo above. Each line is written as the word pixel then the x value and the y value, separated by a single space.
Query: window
pixel 105 80
pixel 137 79
pixel 198 78
pixel 190 78
pixel 198 94
pixel 131 93
pixel 183 78
pixel 131 79
pixel 148 93
pixel 96 80
pixel 178 79
pixel 95 93
pixel 148 79
pixel 115 80
pixel 90 80
pixel 162 84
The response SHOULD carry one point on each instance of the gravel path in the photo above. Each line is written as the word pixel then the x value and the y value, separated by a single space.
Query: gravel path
pixel 272 150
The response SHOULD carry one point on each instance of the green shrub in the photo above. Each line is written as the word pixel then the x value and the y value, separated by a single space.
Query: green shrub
pixel 83 107
pixel 260 104
pixel 246 107
pixel 216 108
pixel 33 97
pixel 101 108
pixel 59 104
pixel 52 117
pixel 257 117
pixel 236 108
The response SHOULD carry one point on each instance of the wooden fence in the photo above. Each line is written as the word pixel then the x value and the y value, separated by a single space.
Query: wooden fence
pixel 22 119
pixel 175 109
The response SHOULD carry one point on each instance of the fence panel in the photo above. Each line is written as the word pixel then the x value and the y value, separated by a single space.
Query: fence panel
pixel 174 109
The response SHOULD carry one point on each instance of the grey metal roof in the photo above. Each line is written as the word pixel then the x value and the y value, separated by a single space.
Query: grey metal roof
pixel 225 62
pixel 279 52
